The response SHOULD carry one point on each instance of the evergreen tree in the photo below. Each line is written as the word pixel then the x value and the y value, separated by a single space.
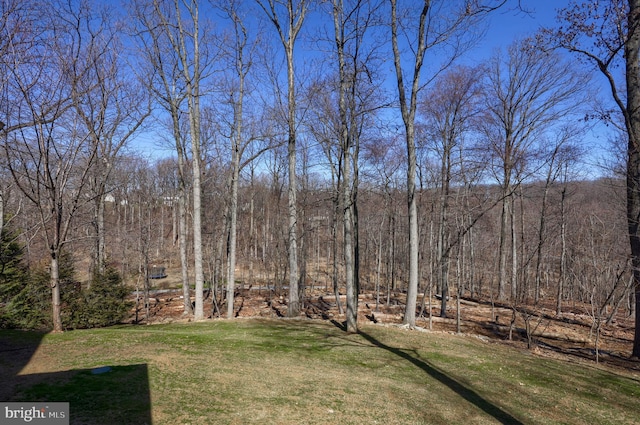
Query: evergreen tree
pixel 103 304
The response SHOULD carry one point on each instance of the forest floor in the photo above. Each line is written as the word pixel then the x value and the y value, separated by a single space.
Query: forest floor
pixel 570 335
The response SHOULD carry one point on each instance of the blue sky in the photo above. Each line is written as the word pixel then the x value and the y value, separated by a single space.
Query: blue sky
pixel 510 23
pixel 503 27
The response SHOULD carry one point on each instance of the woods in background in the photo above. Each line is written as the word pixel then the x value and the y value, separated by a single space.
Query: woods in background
pixel 324 169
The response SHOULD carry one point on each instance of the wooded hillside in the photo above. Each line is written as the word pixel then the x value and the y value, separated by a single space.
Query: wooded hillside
pixel 297 144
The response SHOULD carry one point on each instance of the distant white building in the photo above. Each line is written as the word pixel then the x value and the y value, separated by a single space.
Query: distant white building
pixel 170 200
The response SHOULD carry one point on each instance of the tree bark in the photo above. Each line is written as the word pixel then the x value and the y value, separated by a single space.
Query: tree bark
pixel 55 292
pixel 408 109
pixel 288 34
pixel 192 77
pixel 232 236
pixel 632 56
pixel 563 254
pixel 184 263
pixel 502 246
pixel 294 299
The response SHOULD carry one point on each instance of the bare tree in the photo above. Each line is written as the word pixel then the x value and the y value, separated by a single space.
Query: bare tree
pixel 49 160
pixel 351 22
pixel 185 37
pixel 527 93
pixel 448 110
pixel 287 17
pixel 322 125
pixel 606 34
pixel 560 152
pixel 347 148
pixel 439 24
pixel 110 104
pixel 14 37
pixel 165 84
pixel 241 66
pixel 242 133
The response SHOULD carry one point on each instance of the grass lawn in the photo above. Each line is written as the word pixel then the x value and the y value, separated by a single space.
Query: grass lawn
pixel 306 372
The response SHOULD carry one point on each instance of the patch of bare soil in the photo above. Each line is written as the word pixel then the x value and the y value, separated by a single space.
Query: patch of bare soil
pixel 569 335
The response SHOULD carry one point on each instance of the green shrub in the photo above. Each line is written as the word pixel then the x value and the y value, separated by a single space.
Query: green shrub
pixel 25 294
pixel 28 303
pixel 102 304
pixel 13 272
pixel 31 307
pixel 25 298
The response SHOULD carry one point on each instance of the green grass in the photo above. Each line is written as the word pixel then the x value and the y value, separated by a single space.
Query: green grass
pixel 311 372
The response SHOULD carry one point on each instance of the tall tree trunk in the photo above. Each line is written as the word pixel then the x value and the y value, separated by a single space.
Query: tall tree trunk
pixel 334 248
pixel 378 268
pixel 443 239
pixel 191 70
pixel 356 234
pixel 514 253
pixel 253 247
pixel 237 147
pixel 632 56
pixel 391 261
pixel 288 34
pixel 563 254
pixel 232 237
pixel 294 300
pixel 502 246
pixel 55 291
pixel 412 288
pixel 197 227
pixel 347 222
pixel 184 263
pixel 459 287
pixel 346 86
pixel 408 110
pixel 218 273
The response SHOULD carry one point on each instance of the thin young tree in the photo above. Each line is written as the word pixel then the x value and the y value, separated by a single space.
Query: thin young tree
pixel 239 53
pixel 287 16
pixel 347 149
pixel 356 103
pixel 185 37
pixel 439 24
pixel 447 111
pixel 163 67
pixel 241 66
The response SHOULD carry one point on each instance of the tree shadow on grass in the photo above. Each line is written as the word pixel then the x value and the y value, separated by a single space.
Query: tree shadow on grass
pixel 108 395
pixel 16 350
pixel 463 391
